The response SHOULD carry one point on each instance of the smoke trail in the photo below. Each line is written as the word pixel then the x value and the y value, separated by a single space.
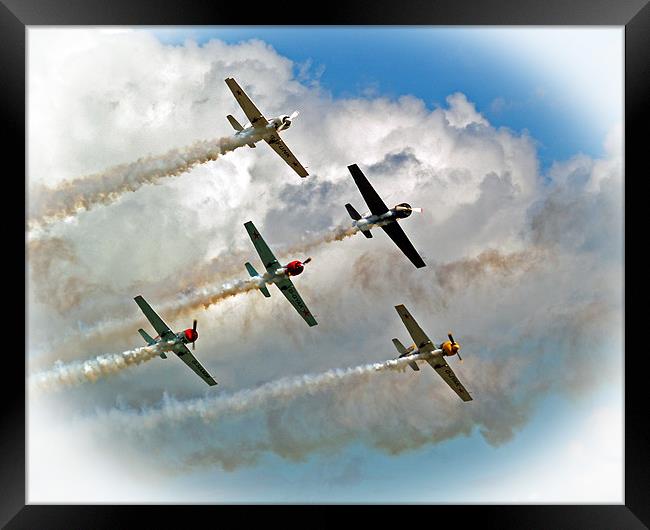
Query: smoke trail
pixel 76 373
pixel 208 296
pixel 279 391
pixel 51 205
pixel 336 234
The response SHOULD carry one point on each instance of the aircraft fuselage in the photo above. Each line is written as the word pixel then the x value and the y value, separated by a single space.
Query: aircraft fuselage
pixel 182 337
pixel 252 135
pixel 274 276
pixel 372 221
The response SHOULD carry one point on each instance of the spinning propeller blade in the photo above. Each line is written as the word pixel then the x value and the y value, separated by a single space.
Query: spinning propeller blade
pixel 455 346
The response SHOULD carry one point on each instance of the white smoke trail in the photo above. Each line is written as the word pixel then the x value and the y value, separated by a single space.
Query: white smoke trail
pixel 76 373
pixel 279 391
pixel 52 205
pixel 200 295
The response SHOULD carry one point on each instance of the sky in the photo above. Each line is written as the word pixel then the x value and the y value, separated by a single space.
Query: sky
pixel 511 141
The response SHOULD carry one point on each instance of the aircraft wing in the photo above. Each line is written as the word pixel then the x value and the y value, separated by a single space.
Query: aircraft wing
pixel 372 198
pixel 269 260
pixel 289 291
pixel 252 112
pixel 161 328
pixel 419 337
pixel 186 356
pixel 281 148
pixel 444 370
pixel 398 236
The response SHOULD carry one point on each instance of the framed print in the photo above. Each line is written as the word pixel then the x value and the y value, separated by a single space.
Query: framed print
pixel 377 258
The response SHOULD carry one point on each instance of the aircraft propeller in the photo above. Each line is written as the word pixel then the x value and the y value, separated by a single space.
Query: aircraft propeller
pixel 455 346
pixel 306 261
pixel 294 114
pixel 194 334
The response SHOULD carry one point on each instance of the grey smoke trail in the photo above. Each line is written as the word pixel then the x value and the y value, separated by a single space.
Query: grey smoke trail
pixel 50 205
pixel 279 391
pixel 193 299
pixel 76 373
pixel 204 298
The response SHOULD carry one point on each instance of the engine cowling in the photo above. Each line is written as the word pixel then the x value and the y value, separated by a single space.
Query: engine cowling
pixel 403 210
pixel 295 267
pixel 191 335
pixel 450 349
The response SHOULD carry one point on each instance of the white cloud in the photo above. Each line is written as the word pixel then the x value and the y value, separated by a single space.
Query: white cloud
pixel 461 112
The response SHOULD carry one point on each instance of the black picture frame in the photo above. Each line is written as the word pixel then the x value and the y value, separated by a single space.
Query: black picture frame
pixel 16 15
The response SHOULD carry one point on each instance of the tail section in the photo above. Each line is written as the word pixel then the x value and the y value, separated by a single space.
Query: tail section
pixel 356 216
pixel 147 338
pixel 353 213
pixel 403 352
pixel 235 124
pixel 251 270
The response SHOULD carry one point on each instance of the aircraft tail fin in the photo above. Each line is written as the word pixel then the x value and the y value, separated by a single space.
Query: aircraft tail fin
pixel 353 213
pixel 404 352
pixel 356 216
pixel 147 338
pixel 235 124
pixel 251 270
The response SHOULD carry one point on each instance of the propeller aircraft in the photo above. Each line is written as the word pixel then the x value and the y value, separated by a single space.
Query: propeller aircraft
pixel 278 274
pixel 259 128
pixel 179 339
pixel 380 215
pixel 434 355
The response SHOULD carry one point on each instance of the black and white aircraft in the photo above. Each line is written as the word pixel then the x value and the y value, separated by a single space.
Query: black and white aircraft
pixel 380 215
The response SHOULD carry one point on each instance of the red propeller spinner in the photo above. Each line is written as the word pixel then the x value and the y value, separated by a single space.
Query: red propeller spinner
pixel 191 334
pixel 296 267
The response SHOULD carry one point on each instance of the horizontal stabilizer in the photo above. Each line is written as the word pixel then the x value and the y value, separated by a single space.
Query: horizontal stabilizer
pixel 400 347
pixel 404 352
pixel 353 213
pixel 253 273
pixel 147 338
pixel 235 124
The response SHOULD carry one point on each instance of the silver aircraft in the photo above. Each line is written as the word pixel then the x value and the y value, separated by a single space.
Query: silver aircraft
pixel 259 128
pixel 434 355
